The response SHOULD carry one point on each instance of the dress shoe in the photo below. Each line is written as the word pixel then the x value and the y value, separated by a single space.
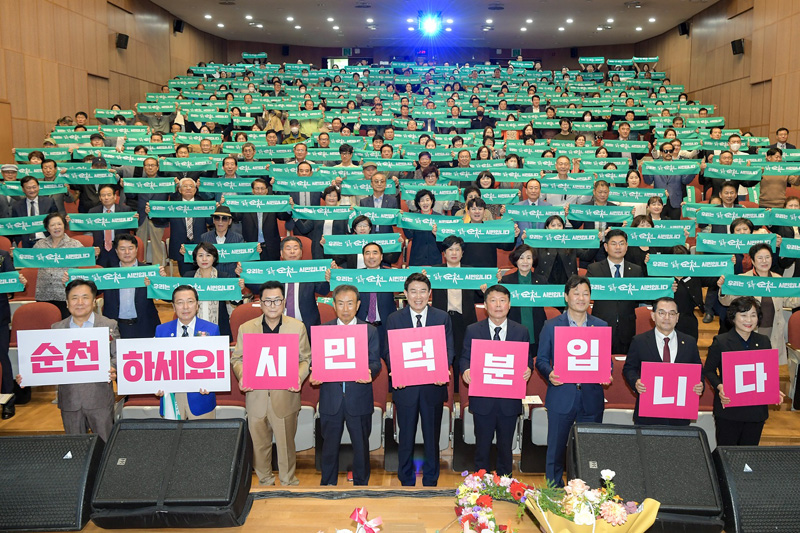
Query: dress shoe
pixel 9 410
pixel 708 318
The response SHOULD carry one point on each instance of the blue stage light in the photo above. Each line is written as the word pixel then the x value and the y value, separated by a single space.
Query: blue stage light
pixel 430 23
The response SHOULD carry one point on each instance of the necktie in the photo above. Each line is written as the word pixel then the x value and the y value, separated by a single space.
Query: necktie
pixel 617 273
pixel 108 238
pixel 372 312
pixel 419 321
pixel 378 202
pixel 189 228
pixel 497 331
pixel 260 218
pixel 185 331
pixel 667 355
pixel 33 208
pixel 290 311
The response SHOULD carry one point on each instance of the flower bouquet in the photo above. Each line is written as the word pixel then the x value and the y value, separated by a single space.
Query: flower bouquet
pixel 579 509
pixel 475 499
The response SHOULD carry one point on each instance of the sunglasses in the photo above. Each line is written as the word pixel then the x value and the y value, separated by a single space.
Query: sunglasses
pixel 220 217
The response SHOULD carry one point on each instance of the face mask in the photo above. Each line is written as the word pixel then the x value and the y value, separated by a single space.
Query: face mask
pixel 735 146
pixel 479 113
pixel 295 131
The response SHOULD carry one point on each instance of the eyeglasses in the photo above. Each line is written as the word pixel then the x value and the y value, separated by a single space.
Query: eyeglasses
pixel 272 303
pixel 664 314
pixel 667 151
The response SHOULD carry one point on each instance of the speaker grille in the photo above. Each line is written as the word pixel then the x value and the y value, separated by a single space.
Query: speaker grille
pixel 43 481
pixel 760 485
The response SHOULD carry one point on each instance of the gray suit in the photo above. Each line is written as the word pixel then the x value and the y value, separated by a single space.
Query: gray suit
pixel 89 405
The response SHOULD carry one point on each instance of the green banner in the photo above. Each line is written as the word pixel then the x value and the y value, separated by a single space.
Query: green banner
pixel 419 222
pixel 500 196
pixel 353 244
pixel 700 265
pixel 297 184
pixel 600 213
pixel 258 204
pixel 186 164
pixel 536 295
pixel 53 257
pixel 732 172
pixel 149 185
pixel 784 217
pixel 778 169
pixel 443 193
pixel 226 186
pixel 339 212
pixel 724 216
pixel 758 286
pixel 533 213
pixel 721 243
pixel 567 187
pixel 308 271
pixel 90 176
pixel 625 194
pixel 638 289
pixel 379 216
pixel 228 252
pixel 181 209
pixel 460 278
pixel 9 282
pixel 634 147
pixel 659 237
pixel 571 238
pixel 208 289
pixel 670 168
pixel 124 159
pixel 103 221
pixel 499 231
pixel 116 278
pixel 371 280
pixel 21 225
pixel 789 248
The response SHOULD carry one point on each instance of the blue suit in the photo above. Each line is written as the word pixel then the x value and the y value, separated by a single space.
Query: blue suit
pixel 199 404
pixel 566 403
pixel 493 415
pixel 388 202
pixel 350 403
pixel 419 401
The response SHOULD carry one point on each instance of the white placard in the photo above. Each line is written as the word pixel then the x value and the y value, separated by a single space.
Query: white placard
pixel 173 364
pixel 63 356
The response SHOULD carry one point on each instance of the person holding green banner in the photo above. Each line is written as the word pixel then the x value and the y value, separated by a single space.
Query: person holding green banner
pixel 675 186
pixel 151 231
pixel 206 257
pixel 773 188
pixel 533 318
pixel 7 381
pixel 49 281
pixel 31 205
pixel 222 233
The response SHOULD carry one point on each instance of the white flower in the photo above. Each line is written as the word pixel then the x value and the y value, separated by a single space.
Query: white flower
pixel 592 495
pixel 584 516
pixel 607 475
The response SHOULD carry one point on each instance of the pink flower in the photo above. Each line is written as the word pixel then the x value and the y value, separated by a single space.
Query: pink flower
pixel 576 487
pixel 613 513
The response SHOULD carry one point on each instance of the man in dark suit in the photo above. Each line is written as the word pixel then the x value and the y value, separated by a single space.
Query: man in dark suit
pixel 317 229
pixel 494 416
pixel 87 406
pixel 31 205
pixel 567 403
pixel 135 313
pixel 380 200
pixel 304 170
pixel 619 314
pixel 105 239
pixel 222 233
pixel 301 298
pixel 263 227
pixel 601 190
pixel 419 401
pixel 781 138
pixel 663 344
pixel 185 230
pixel 89 195
pixel 375 306
pixel 348 402
pixel 151 231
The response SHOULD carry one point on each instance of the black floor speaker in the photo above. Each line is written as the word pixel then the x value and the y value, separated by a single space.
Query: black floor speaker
pixel 46 482
pixel 760 487
pixel 170 474
pixel 670 464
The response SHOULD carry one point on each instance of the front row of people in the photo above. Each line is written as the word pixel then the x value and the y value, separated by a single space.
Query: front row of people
pixel 272 414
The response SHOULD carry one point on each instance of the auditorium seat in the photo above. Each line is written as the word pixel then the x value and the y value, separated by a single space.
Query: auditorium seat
pixel 140 252
pixel 551 312
pixel 480 312
pixel 29 294
pixel 620 399
pixel 503 260
pixel 309 400
pixel 85 240
pixel 326 312
pixel 534 426
pixel 5 243
pixel 643 320
pixel 33 315
pixel 306 246
pixel 242 314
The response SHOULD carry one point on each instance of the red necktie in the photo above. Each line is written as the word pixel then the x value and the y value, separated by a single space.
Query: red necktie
pixel 667 355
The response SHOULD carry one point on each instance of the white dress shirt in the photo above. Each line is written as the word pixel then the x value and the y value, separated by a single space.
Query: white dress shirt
pixel 503 329
pixel 424 318
pixel 189 329
pixel 613 267
pixel 673 344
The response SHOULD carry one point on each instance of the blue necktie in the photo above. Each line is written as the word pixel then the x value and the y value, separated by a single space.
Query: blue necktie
pixel 616 272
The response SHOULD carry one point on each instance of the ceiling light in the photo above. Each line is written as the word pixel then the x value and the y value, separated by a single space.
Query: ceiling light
pixel 208 16
pixel 370 21
pixel 409 20
pixel 599 28
pixel 410 28
pixel 249 17
pixel 485 29
pixel 488 21
pixel 297 27
pixel 561 28
pixel 449 21
pixel 330 19
pixel 336 27
pixel 529 21
pixel 610 21
pixel 290 19
pixel 569 21
pixel 651 19
pixel 523 29
pixel 259 25
pixel 448 29
pixel 220 25
pixel 638 28
pixel 430 24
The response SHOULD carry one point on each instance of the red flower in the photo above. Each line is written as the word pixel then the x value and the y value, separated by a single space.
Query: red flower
pixel 481 472
pixel 517 491
pixel 496 479
pixel 484 501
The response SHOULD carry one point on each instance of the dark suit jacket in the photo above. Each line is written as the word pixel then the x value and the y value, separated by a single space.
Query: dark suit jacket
pixel 619 314
pixel 468 299
pixel 424 249
pixel 313 230
pixel 592 225
pixel 515 314
pixel 316 198
pixel 429 394
pixel 389 202
pixel 108 258
pixel 561 399
pixel 359 400
pixel 485 406
pixel 546 259
pixel 386 305
pixel 45 206
pixel 146 314
pixel 271 248
pixel 6 265
pixel 484 254
pixel 231 237
pixel 644 348
pixel 307 300
pixel 789 146
pixel 730 341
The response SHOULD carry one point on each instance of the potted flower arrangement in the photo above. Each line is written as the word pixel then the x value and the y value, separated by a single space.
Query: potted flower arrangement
pixel 577 508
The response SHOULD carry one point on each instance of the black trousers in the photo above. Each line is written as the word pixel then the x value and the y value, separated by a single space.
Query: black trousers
pixel 736 433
